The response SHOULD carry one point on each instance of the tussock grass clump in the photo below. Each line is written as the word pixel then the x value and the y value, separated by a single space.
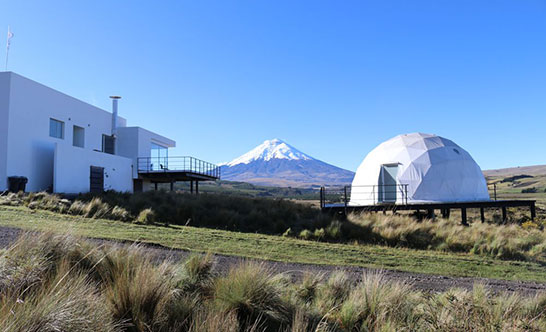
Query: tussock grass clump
pixel 375 303
pixel 146 216
pixel 62 283
pixel 253 294
pixel 334 291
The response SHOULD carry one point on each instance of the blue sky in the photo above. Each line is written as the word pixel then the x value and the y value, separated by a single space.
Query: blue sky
pixel 332 78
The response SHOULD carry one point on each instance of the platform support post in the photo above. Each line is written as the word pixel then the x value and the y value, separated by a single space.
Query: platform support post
pixel 191 187
pixel 463 217
pixel 155 186
pixel 504 214
pixel 197 187
pixel 482 214
pixel 533 211
pixel 345 199
pixel 322 197
pixel 172 185
pixel 445 213
pixel 430 214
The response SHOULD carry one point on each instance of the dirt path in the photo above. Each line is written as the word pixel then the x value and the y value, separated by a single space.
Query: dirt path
pixel 426 282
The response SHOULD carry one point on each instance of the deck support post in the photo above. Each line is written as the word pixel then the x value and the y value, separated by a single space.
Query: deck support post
pixel 482 214
pixel 191 187
pixel 430 214
pixel 445 213
pixel 155 186
pixel 172 185
pixel 504 214
pixel 463 217
pixel 533 211
pixel 197 187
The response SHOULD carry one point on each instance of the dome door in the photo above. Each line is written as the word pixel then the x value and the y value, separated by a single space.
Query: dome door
pixel 387 183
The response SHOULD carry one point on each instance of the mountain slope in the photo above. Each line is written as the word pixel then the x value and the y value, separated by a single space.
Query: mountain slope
pixel 276 163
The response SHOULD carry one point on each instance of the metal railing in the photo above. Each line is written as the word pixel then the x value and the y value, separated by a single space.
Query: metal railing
pixel 177 164
pixel 503 193
pixel 364 195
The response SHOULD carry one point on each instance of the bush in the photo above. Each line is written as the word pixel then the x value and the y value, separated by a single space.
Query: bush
pixel 306 234
pixel 146 216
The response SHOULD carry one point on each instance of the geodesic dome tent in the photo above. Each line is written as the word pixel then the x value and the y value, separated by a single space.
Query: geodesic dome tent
pixel 418 168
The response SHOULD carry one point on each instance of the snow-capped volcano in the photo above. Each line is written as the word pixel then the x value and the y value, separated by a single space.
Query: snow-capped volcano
pixel 277 163
pixel 270 149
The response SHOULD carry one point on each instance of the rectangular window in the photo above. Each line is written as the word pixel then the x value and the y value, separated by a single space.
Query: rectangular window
pixel 107 144
pixel 78 137
pixel 159 157
pixel 56 128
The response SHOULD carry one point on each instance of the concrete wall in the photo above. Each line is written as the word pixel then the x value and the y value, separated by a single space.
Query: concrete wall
pixel 30 150
pixel 72 170
pixel 4 107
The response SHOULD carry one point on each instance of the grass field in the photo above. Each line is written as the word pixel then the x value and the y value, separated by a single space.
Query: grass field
pixel 275 247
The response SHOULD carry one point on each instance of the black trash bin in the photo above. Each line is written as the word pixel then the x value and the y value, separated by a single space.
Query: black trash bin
pixel 22 183
pixel 17 184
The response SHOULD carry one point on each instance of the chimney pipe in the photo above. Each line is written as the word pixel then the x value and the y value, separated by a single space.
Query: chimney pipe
pixel 115 121
pixel 115 115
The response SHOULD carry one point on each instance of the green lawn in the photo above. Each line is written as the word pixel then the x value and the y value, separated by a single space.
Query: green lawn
pixel 275 247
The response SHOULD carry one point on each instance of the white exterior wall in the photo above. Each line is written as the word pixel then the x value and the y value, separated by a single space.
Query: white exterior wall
pixel 72 170
pixel 4 113
pixel 28 148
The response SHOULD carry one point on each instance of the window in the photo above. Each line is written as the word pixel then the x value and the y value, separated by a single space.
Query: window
pixel 78 137
pixel 108 144
pixel 56 128
pixel 159 158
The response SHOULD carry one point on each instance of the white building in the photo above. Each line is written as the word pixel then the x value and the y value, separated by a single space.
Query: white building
pixel 65 145
pixel 418 168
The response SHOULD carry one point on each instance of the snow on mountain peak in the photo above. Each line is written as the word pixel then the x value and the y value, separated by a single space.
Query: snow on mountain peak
pixel 270 149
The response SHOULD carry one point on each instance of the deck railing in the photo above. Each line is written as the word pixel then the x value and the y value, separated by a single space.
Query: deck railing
pixel 177 164
pixel 364 194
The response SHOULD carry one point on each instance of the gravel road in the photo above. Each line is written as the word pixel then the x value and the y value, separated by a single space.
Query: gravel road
pixel 425 282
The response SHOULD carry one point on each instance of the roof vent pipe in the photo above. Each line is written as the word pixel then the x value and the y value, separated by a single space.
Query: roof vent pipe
pixel 115 115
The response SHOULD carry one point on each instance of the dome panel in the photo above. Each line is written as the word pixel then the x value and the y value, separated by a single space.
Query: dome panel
pixel 435 169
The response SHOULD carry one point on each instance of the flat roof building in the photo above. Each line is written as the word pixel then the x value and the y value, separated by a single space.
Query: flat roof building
pixel 64 145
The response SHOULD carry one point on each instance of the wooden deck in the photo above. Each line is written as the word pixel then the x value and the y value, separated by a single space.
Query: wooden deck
pixel 444 208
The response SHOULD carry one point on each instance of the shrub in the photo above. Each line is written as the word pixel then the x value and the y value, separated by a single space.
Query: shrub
pixel 333 231
pixel 319 234
pixel 146 216
pixel 119 213
pixel 306 234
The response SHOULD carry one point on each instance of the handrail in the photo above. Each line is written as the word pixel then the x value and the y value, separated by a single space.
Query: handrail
pixel 374 194
pixel 178 164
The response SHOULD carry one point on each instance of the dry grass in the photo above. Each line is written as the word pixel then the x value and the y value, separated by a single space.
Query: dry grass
pixel 61 283
pixel 500 241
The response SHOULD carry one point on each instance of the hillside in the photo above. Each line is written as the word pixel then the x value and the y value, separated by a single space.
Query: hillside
pixel 529 170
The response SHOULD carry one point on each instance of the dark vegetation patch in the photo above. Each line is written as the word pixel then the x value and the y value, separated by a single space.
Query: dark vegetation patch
pixel 516 177
pixel 235 213
pixel 282 217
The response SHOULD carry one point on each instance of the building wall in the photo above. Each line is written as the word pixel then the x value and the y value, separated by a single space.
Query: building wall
pixel 136 142
pixel 72 170
pixel 30 149
pixel 4 107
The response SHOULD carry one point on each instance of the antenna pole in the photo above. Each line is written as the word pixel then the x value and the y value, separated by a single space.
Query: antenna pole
pixel 7 46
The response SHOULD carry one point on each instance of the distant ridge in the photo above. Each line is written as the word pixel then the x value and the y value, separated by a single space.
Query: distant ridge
pixel 277 163
pixel 511 171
